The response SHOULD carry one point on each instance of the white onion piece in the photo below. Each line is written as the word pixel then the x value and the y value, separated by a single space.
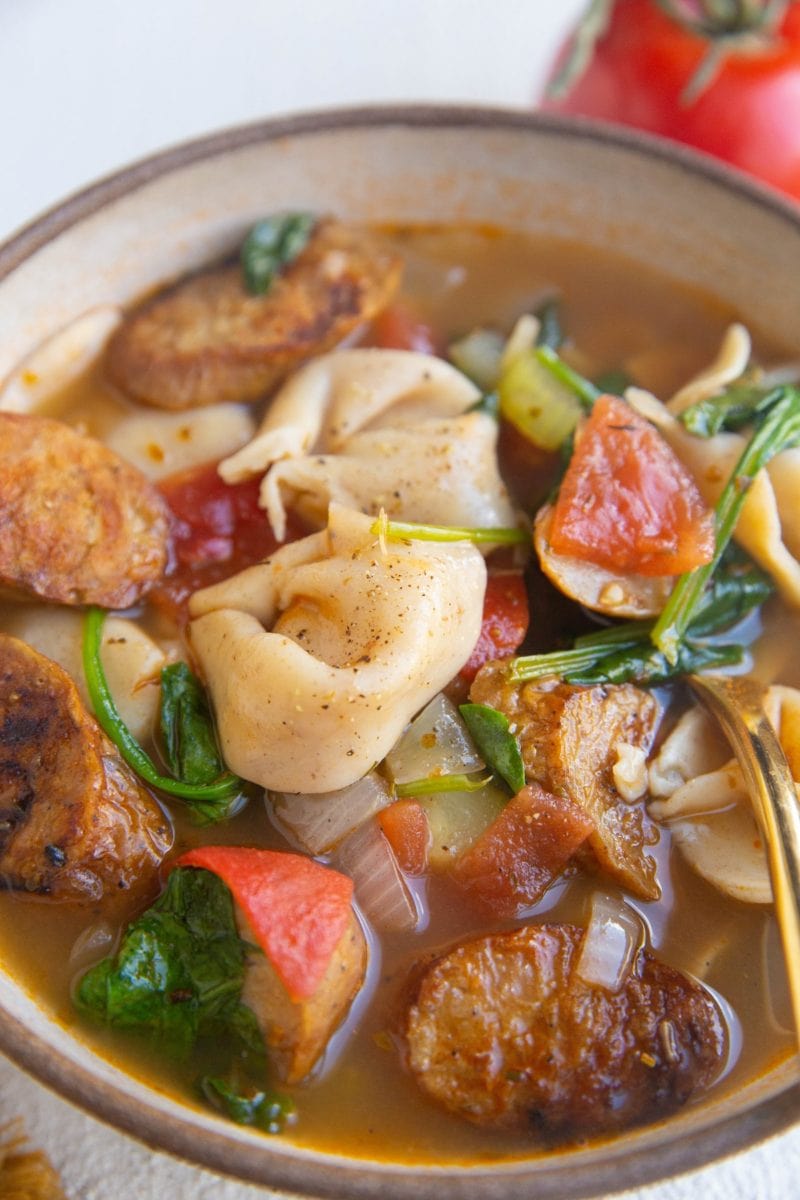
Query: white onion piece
pixel 92 944
pixel 318 822
pixel 435 743
pixel 380 889
pixel 630 772
pixel 613 938
pixel 58 360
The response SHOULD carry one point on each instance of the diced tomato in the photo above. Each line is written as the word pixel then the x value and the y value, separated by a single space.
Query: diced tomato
pixel 398 327
pixel 627 502
pixel 217 530
pixel 405 827
pixel 515 860
pixel 505 621
pixel 297 909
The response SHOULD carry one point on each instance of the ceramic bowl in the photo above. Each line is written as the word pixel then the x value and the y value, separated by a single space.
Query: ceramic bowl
pixel 694 221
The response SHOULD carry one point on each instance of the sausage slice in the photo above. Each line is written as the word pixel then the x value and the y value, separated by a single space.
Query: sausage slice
pixel 503 1032
pixel 569 738
pixel 207 340
pixel 78 525
pixel 75 823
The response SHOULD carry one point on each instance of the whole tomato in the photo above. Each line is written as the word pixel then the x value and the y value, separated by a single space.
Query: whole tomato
pixel 720 75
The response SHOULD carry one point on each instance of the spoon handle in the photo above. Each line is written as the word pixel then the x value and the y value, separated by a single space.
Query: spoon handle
pixel 736 703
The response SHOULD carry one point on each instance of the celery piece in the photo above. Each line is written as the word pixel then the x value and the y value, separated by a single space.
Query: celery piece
pixel 544 409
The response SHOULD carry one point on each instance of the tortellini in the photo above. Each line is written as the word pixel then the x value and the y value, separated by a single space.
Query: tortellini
pixel 705 800
pixel 377 429
pixel 317 659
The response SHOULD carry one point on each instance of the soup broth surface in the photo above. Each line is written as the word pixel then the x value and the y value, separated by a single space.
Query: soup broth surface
pixel 359 1101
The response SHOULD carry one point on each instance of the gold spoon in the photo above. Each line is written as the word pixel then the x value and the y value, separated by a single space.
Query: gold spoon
pixel 736 703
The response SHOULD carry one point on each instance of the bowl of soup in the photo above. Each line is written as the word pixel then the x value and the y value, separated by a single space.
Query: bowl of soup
pixel 360 831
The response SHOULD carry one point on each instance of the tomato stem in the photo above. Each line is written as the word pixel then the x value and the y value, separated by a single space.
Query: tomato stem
pixel 725 18
pixel 588 32
pixel 728 26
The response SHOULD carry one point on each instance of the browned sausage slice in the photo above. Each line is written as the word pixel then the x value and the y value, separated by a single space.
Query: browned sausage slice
pixel 569 738
pixel 78 525
pixel 75 824
pixel 207 340
pixel 502 1031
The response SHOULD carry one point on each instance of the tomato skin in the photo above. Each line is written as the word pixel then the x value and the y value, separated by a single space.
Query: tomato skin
pixel 406 829
pixel 505 621
pixel 297 909
pixel 398 327
pixel 217 529
pixel 627 502
pixel 747 115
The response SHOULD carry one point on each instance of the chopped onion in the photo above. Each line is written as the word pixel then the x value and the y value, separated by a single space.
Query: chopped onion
pixel 318 822
pixel 380 888
pixel 613 938
pixel 523 336
pixel 92 944
pixel 478 356
pixel 435 743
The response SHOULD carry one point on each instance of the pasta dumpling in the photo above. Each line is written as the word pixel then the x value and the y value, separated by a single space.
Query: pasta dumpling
pixel 377 429
pixel 318 658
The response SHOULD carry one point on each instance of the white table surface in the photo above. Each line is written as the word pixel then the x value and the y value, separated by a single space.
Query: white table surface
pixel 88 85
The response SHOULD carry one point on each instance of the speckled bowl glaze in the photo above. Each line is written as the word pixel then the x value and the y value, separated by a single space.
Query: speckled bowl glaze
pixel 694 221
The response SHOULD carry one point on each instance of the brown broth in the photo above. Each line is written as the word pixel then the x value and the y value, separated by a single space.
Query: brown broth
pixel 359 1101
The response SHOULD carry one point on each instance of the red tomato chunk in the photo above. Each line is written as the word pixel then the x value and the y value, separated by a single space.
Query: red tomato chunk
pixel 627 502
pixel 505 621
pixel 217 530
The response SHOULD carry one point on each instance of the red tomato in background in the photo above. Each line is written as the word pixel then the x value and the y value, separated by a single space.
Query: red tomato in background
pixel 747 114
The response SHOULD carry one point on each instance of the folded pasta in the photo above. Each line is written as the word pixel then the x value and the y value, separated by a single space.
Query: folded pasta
pixel 377 429
pixel 318 658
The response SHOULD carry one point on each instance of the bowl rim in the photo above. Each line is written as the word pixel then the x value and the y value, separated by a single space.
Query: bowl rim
pixel 549 1178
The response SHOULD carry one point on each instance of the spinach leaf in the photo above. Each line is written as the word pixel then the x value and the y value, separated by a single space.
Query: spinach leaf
pixel 272 244
pixel 186 727
pixel 212 801
pixel 777 429
pixel 647 666
pixel 491 733
pixel 738 405
pixel 179 971
pixel 247 1104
